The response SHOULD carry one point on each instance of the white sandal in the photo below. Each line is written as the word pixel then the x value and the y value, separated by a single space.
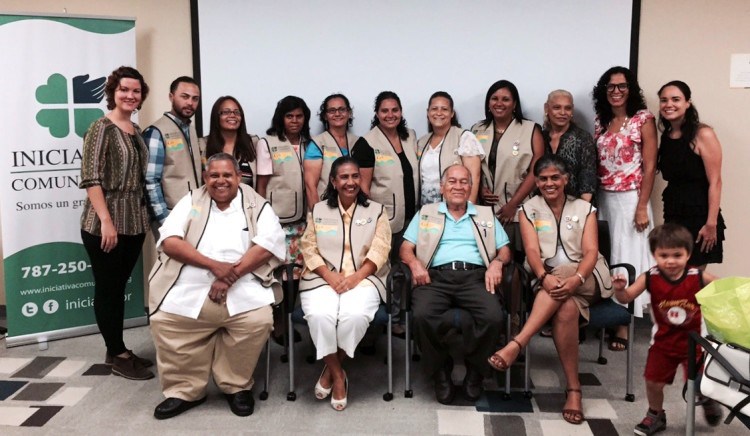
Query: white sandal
pixel 322 393
pixel 340 405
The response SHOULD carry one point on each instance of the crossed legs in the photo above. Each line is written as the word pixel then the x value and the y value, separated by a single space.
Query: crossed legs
pixel 564 315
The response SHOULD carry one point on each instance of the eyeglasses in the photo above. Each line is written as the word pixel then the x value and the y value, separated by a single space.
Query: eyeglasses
pixel 622 87
pixel 337 110
pixel 228 112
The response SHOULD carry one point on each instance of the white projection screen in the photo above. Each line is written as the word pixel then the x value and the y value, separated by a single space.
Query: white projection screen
pixel 262 50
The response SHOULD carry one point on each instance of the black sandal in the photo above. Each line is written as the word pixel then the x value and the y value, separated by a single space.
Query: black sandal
pixel 616 340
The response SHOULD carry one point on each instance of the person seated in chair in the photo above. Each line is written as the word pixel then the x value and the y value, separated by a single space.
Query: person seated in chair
pixel 560 239
pixel 456 251
pixel 345 247
pixel 212 290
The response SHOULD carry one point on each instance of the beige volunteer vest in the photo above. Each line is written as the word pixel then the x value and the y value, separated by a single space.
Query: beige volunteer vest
pixel 512 166
pixel 330 150
pixel 570 233
pixel 166 270
pixel 432 224
pixel 182 160
pixel 286 187
pixel 387 186
pixel 329 234
pixel 448 151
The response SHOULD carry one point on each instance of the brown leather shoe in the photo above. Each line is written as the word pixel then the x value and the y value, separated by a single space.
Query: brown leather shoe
pixel 130 368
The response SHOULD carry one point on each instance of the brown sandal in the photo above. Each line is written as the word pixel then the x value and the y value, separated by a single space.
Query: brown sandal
pixel 497 362
pixel 576 417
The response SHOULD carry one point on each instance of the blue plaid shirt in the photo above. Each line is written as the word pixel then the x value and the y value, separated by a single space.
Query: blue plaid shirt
pixel 155 168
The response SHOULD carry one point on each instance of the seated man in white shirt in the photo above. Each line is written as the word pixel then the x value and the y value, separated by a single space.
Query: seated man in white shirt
pixel 212 290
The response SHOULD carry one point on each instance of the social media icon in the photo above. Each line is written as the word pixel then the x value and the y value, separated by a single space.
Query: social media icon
pixel 29 309
pixel 50 307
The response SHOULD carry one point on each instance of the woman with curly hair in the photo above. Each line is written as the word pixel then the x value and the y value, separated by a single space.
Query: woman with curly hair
pixel 625 134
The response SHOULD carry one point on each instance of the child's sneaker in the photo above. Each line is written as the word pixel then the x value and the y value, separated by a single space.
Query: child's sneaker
pixel 651 424
pixel 712 412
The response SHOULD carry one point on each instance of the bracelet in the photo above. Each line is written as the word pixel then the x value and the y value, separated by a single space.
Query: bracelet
pixel 580 276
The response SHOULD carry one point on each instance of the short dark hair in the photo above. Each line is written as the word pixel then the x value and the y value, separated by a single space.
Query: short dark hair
pixel 223 156
pixel 401 129
pixel 330 195
pixel 602 107
pixel 243 148
pixel 323 107
pixel 670 235
pixel 113 81
pixel 500 84
pixel 445 95
pixel 283 107
pixel 182 79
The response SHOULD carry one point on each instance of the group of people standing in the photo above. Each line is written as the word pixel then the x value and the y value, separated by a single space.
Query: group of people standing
pixel 342 203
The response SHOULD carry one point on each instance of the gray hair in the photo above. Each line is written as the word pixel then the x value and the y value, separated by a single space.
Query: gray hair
pixel 550 96
pixel 224 156
pixel 445 173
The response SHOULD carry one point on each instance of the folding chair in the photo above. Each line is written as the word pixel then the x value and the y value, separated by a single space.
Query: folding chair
pixel 736 381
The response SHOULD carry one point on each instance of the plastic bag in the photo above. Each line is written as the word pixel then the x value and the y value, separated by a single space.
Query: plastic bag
pixel 725 305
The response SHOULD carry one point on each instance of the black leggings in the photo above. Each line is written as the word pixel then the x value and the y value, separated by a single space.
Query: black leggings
pixel 111 272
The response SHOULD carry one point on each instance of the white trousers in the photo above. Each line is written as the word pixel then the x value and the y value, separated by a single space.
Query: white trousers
pixel 339 321
pixel 628 244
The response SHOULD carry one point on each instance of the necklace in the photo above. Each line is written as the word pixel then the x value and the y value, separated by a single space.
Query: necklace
pixel 624 123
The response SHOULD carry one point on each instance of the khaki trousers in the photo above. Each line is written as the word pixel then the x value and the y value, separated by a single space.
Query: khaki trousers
pixel 189 350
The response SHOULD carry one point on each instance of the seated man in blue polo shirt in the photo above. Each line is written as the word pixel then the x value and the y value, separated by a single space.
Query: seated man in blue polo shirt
pixel 456 251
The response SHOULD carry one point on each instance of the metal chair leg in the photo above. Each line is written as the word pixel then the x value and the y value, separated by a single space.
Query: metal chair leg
pixel 408 393
pixel 601 360
pixel 629 396
pixel 264 395
pixel 388 396
pixel 291 396
pixel 508 325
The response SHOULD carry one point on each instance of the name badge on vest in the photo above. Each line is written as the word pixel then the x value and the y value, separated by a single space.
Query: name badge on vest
pixel 281 154
pixel 383 159
pixel 543 222
pixel 329 153
pixel 325 227
pixel 173 143
pixel 429 225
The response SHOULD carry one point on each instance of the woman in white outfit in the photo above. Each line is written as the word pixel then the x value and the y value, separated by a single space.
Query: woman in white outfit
pixel 345 246
pixel 625 134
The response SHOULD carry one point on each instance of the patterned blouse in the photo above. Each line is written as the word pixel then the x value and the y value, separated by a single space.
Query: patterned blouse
pixel 620 156
pixel 116 161
pixel 576 147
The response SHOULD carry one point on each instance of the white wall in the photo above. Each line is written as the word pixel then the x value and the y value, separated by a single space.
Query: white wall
pixel 262 51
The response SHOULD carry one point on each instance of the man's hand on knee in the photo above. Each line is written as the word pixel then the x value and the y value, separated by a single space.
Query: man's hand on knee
pixel 493 276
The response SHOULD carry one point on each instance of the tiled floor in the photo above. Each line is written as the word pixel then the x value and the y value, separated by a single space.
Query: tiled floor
pixel 56 390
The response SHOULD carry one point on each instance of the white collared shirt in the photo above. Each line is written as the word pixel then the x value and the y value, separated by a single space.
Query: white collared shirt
pixel 224 239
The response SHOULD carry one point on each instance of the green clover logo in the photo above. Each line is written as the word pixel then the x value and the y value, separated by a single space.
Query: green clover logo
pixel 87 96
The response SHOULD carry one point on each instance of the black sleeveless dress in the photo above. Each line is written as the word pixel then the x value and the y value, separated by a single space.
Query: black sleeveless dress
pixel 686 195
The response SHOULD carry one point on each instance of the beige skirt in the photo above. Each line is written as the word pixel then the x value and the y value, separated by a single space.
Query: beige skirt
pixel 585 295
